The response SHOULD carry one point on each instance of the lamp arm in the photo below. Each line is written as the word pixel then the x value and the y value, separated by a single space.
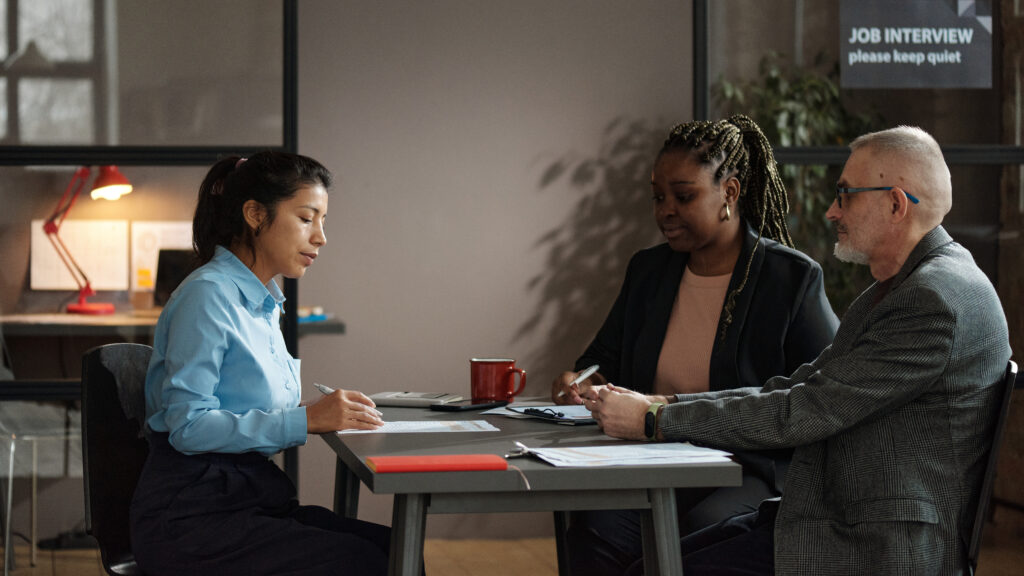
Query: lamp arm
pixel 52 228
pixel 84 287
pixel 53 223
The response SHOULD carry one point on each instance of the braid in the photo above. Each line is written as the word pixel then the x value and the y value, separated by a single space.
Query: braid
pixel 743 150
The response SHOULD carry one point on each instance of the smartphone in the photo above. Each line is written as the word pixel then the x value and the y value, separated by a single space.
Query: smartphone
pixel 468 405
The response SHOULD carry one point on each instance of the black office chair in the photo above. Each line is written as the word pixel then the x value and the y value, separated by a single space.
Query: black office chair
pixel 113 448
pixel 988 480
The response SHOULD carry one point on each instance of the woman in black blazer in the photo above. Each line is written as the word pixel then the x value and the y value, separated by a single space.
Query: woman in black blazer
pixel 721 206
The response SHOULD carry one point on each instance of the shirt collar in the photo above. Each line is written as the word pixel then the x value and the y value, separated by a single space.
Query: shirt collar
pixel 257 295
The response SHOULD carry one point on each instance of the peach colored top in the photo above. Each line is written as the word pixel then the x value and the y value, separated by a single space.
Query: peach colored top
pixel 685 360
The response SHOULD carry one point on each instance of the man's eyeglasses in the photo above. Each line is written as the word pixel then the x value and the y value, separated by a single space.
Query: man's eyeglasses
pixel 840 190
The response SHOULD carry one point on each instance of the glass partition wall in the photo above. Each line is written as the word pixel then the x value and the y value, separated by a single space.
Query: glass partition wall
pixel 161 89
pixel 142 73
pixel 779 62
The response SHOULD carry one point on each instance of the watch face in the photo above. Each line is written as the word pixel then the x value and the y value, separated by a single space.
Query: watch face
pixel 649 424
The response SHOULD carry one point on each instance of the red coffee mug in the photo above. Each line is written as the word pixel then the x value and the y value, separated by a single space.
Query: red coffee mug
pixel 494 379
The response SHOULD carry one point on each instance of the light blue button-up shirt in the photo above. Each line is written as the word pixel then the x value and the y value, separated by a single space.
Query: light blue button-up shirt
pixel 221 379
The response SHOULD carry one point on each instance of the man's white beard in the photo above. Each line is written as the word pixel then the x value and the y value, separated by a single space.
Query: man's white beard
pixel 847 254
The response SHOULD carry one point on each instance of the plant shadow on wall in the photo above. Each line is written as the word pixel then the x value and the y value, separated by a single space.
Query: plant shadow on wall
pixel 803 107
pixel 587 254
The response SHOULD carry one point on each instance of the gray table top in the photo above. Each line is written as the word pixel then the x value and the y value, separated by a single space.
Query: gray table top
pixel 354 448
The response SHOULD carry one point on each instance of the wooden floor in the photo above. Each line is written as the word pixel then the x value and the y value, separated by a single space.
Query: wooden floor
pixel 1001 557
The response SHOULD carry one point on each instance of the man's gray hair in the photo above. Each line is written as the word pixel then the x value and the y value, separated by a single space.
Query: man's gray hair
pixel 912 146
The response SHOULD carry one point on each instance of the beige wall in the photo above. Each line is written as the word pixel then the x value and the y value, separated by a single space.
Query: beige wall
pixel 457 131
pixel 441 121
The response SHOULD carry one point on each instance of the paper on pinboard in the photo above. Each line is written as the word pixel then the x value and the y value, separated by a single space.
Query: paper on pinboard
pixel 148 237
pixel 99 246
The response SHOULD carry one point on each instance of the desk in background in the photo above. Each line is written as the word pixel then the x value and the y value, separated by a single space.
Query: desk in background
pixel 45 347
pixel 128 326
pixel 46 352
pixel 650 488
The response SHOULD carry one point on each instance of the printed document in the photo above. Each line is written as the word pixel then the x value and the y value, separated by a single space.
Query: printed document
pixel 630 455
pixel 401 426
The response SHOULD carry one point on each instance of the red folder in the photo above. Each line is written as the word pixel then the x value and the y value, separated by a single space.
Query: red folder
pixel 439 463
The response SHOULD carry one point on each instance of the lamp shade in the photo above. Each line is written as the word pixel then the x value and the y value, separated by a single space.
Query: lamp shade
pixel 110 184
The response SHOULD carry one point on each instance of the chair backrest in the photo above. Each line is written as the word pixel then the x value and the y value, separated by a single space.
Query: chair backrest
pixel 113 448
pixel 988 480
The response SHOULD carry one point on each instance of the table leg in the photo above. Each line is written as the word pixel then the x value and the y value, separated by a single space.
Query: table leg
pixel 561 546
pixel 33 523
pixel 8 544
pixel 660 531
pixel 408 525
pixel 346 491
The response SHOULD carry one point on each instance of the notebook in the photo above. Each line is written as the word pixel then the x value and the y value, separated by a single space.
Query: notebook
pixel 436 463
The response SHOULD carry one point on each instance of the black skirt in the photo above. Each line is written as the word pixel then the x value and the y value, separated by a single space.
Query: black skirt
pixel 237 514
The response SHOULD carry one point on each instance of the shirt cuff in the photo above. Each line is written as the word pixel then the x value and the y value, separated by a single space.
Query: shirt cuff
pixel 295 426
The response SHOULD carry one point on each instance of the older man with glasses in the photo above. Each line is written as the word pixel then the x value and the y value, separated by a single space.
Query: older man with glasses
pixel 890 424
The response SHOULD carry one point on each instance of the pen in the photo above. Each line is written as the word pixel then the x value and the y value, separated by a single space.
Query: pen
pixel 325 389
pixel 582 376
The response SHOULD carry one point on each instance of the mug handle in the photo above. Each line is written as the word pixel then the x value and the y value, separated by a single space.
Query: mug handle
pixel 522 381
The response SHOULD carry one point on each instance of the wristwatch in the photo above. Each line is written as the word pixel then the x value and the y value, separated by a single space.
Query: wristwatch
pixel 651 421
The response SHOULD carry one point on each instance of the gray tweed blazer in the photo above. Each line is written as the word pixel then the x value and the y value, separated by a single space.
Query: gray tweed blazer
pixel 891 423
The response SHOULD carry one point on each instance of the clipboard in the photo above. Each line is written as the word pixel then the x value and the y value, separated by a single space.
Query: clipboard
pixel 567 415
pixel 413 399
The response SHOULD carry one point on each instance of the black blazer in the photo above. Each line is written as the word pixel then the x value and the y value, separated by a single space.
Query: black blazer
pixel 782 318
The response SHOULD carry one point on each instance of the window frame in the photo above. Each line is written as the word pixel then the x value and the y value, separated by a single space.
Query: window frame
pixel 22 155
pixel 960 154
pixel 90 70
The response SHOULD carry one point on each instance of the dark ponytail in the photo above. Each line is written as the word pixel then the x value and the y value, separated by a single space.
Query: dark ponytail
pixel 266 177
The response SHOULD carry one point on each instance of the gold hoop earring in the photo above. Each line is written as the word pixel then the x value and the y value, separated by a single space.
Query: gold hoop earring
pixel 728 213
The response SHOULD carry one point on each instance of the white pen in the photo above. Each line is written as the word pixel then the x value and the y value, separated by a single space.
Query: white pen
pixel 582 376
pixel 325 389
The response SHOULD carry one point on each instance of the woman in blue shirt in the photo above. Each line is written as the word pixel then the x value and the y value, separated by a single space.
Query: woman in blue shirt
pixel 222 393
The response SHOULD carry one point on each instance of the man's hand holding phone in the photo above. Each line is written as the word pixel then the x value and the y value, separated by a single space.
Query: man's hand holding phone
pixel 568 387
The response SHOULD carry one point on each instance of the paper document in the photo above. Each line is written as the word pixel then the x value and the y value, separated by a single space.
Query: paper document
pixel 518 409
pixel 629 455
pixel 560 414
pixel 428 426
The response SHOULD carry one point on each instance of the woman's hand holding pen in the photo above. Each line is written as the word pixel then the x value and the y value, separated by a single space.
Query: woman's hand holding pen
pixel 341 410
pixel 564 391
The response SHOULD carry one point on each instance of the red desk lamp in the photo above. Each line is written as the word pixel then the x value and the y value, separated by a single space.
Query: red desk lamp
pixel 111 185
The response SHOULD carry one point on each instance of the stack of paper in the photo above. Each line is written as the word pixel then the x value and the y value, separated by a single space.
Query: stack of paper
pixel 630 455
